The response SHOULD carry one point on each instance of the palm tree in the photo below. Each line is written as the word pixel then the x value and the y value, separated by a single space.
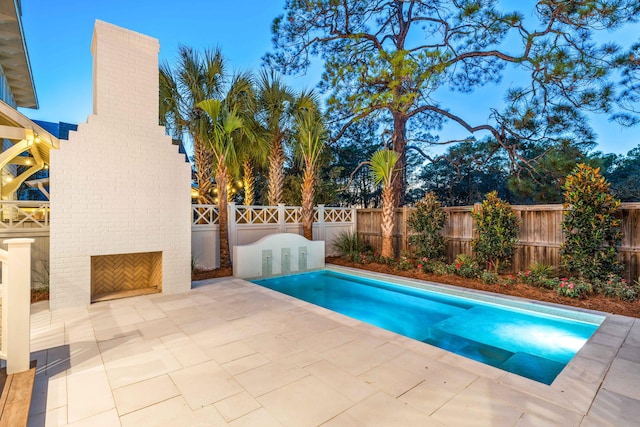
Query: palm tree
pixel 224 125
pixel 195 78
pixel 311 137
pixel 274 101
pixel 382 164
pixel 252 145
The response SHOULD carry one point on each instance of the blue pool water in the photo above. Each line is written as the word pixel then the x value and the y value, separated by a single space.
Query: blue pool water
pixel 526 342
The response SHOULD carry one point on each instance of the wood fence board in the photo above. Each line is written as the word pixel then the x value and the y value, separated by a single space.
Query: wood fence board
pixel 540 234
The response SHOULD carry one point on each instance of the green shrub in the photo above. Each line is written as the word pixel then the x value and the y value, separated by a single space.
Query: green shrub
pixel 350 245
pixel 573 288
pixel 590 226
pixel 497 232
pixel 427 222
pixel 489 277
pixel 616 287
pixel 430 266
pixel 550 283
pixel 439 267
pixel 467 267
pixel 537 275
pixel 404 264
pixel 511 280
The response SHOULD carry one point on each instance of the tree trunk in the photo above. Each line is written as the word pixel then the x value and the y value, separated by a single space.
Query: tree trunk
pixel 248 182
pixel 388 213
pixel 202 159
pixel 308 190
pixel 276 172
pixel 399 141
pixel 223 220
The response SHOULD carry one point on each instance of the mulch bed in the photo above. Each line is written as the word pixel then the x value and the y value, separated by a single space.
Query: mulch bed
pixel 211 274
pixel 593 302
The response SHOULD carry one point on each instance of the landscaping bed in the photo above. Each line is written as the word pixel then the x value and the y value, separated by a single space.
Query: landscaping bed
pixel 592 302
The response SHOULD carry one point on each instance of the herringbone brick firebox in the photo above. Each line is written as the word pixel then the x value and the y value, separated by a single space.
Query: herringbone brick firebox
pixel 115 276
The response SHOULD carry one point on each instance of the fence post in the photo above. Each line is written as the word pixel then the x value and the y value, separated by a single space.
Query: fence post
pixel 321 225
pixel 282 224
pixel 231 226
pixel 404 237
pixel 18 305
pixel 354 220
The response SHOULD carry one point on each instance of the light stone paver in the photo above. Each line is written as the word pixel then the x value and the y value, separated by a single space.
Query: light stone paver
pixel 205 384
pixel 229 353
pixel 260 417
pixel 235 406
pixel 144 393
pixel 307 402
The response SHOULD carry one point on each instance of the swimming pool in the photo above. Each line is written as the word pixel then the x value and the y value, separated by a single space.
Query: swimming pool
pixel 519 337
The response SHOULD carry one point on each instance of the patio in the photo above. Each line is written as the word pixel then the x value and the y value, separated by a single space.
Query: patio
pixel 231 353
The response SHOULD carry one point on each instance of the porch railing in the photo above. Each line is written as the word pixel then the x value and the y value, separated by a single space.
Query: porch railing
pixel 24 215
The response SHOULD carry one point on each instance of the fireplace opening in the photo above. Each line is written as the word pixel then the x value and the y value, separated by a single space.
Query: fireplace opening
pixel 125 275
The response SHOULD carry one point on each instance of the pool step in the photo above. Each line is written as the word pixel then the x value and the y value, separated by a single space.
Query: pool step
pixel 475 350
pixel 520 363
pixel 533 367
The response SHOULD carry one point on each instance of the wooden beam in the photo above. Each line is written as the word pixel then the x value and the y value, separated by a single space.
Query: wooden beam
pixel 15 400
pixel 15 133
pixel 15 183
pixel 9 154
pixel 22 160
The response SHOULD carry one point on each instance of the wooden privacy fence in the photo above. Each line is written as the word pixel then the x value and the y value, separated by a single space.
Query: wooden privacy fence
pixel 540 234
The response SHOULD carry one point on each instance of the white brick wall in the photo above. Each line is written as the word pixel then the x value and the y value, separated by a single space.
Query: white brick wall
pixel 118 185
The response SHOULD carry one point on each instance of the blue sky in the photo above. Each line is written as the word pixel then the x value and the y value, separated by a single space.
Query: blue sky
pixel 58 35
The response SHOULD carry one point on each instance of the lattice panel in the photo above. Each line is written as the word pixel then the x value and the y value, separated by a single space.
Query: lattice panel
pixel 337 215
pixel 252 215
pixel 292 215
pixel 125 272
pixel 204 214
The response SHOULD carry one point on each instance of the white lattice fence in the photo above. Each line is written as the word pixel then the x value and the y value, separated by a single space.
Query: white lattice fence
pixel 248 224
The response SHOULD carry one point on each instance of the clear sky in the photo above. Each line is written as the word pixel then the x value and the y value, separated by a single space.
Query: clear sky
pixel 58 35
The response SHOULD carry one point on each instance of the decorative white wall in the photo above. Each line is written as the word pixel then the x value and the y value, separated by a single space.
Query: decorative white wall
pixel 119 185
pixel 280 253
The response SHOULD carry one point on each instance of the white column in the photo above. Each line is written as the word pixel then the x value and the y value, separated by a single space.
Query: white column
pixel 18 305
pixel 282 224
pixel 321 224
pixel 231 227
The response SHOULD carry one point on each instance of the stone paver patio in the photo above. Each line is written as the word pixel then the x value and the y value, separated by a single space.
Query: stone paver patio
pixel 232 353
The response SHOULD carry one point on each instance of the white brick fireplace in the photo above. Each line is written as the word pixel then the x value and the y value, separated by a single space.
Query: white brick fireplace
pixel 118 185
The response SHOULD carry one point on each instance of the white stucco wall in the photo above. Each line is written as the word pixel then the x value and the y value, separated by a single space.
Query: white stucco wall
pixel 119 185
pixel 248 259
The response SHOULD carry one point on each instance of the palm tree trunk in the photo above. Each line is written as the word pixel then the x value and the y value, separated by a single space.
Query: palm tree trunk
pixel 223 219
pixel 202 159
pixel 276 172
pixel 388 213
pixel 308 192
pixel 399 140
pixel 248 182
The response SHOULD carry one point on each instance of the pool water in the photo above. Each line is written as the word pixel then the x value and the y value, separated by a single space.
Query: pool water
pixel 524 341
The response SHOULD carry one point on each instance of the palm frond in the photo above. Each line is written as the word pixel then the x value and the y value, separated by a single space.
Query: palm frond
pixel 382 164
